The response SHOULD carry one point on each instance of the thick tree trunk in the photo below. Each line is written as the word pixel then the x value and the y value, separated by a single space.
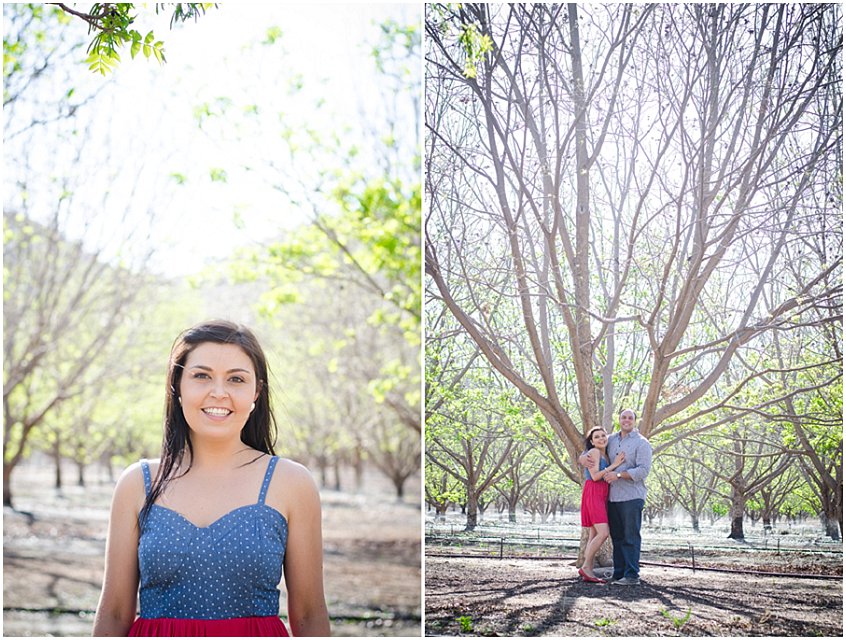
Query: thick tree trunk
pixel 694 521
pixel 736 528
pixel 605 557
pixel 832 528
pixel 738 507
pixel 472 512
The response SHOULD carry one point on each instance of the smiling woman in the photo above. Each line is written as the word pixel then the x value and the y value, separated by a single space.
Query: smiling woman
pixel 219 387
pixel 208 530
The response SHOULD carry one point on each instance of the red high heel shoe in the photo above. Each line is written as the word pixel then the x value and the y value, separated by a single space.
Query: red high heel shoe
pixel 587 578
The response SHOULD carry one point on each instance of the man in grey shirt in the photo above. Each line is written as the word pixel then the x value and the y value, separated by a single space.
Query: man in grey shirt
pixel 626 497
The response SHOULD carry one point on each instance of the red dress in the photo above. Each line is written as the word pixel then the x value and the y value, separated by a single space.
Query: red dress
pixel 595 499
pixel 252 627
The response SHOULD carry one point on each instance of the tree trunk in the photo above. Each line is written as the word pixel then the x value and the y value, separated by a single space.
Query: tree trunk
pixel 358 465
pixel 472 511
pixel 738 507
pixel 399 485
pixel 57 461
pixel 7 484
pixel 832 528
pixel 694 521
pixel 336 467
pixel 80 474
pixel 324 472
pixel 737 528
pixel 605 556
pixel 768 523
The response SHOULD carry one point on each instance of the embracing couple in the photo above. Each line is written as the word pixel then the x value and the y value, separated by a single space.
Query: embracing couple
pixel 613 497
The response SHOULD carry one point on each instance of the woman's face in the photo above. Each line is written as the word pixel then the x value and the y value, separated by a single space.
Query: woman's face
pixel 599 438
pixel 217 389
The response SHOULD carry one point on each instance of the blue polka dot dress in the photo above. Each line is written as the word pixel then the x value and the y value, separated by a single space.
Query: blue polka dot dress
pixel 218 580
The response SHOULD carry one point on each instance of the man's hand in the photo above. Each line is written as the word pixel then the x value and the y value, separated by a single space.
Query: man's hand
pixel 585 460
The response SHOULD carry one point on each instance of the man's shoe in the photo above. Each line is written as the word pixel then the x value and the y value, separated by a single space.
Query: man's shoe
pixel 626 582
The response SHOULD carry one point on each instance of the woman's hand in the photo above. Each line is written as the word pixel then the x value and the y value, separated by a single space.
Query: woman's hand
pixel 619 459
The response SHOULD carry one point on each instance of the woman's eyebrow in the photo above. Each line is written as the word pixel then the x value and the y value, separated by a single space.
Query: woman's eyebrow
pixel 207 368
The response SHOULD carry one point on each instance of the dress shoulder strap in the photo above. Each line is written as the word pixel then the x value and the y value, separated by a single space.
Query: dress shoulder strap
pixel 145 469
pixel 271 465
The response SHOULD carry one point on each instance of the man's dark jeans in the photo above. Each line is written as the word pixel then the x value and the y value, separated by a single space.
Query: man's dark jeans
pixel 624 521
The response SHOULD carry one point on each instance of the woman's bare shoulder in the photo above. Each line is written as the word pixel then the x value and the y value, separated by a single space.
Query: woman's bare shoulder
pixel 294 473
pixel 129 488
pixel 292 485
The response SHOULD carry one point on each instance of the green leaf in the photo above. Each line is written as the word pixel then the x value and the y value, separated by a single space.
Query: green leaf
pixel 272 35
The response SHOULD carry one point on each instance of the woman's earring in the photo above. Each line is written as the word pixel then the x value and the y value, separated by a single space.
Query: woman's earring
pixel 180 400
pixel 252 406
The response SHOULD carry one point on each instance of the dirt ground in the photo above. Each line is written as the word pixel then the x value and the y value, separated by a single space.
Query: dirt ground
pixel 53 550
pixel 517 597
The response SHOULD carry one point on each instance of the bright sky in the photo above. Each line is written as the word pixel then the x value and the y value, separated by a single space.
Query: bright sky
pixel 329 45
pixel 148 120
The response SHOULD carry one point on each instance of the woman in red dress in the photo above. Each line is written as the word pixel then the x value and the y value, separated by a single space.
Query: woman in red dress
pixel 595 497
pixel 208 530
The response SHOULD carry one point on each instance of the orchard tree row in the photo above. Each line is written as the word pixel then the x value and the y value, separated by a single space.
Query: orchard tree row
pixel 90 313
pixel 638 206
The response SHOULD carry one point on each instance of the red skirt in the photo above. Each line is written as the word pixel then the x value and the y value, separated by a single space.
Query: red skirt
pixel 232 628
pixel 594 503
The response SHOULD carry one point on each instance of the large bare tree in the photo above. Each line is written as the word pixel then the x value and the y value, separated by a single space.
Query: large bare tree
pixel 611 188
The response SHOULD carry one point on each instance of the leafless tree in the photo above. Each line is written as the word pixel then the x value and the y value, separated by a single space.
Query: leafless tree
pixel 691 485
pixel 522 471
pixel 749 457
pixel 478 462
pixel 614 188
pixel 65 306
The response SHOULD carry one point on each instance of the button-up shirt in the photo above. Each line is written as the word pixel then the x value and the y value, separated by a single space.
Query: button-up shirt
pixel 638 461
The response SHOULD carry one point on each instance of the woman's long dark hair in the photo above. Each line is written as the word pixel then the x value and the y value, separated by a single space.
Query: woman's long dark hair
pixel 259 432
